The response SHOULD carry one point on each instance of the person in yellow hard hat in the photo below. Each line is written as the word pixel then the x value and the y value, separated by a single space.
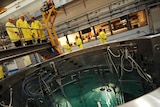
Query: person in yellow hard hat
pixel 102 36
pixel 67 47
pixel 37 30
pixel 13 32
pixel 79 42
pixel 25 28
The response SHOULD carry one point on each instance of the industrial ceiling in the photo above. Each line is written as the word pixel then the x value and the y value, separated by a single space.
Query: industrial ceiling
pixel 4 3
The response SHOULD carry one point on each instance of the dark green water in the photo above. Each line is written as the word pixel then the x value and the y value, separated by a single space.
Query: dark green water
pixel 93 89
pixel 89 87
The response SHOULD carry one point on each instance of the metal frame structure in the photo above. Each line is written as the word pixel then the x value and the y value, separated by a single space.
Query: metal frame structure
pixel 73 65
pixel 21 51
pixel 151 99
pixel 49 17
pixel 147 54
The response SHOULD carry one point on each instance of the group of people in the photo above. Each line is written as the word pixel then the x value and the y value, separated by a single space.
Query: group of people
pixel 79 43
pixel 22 33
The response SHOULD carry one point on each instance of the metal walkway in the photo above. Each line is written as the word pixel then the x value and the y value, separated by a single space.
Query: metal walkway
pixel 21 51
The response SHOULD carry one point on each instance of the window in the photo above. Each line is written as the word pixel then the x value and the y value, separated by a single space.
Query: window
pixel 119 25
pixel 105 27
pixel 63 41
pixel 72 37
pixel 138 19
pixel 112 27
pixel 87 35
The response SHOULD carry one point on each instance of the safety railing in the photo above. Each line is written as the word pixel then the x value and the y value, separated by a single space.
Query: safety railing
pixel 34 35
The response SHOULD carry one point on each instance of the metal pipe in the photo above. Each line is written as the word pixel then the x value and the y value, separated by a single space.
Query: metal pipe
pixel 98 104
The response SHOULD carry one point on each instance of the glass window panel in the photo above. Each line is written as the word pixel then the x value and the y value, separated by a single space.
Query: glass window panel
pixel 119 25
pixel 63 41
pixel 72 37
pixel 138 19
pixel 103 26
pixel 89 36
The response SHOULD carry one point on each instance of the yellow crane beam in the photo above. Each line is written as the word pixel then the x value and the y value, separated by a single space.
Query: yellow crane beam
pixel 49 17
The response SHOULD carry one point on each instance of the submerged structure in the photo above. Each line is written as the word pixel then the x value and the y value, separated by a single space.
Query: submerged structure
pixel 106 75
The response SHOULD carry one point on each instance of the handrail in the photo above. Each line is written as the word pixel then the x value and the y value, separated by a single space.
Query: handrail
pixel 4 41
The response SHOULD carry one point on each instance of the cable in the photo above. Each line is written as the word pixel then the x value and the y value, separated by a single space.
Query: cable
pixel 30 80
pixel 11 93
pixel 108 48
pixel 108 62
pixel 126 55
pixel 10 103
pixel 39 78
pixel 35 84
pixel 140 71
pixel 122 63
pixel 110 59
pixel 114 66
pixel 45 84
pixel 52 65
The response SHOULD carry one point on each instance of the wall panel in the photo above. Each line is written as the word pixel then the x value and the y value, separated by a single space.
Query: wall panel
pixel 78 7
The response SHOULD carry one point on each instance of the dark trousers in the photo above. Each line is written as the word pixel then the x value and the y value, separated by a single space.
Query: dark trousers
pixel 18 43
pixel 43 41
pixel 38 41
pixel 30 42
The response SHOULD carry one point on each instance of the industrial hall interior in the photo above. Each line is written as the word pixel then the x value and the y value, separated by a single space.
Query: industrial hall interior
pixel 79 53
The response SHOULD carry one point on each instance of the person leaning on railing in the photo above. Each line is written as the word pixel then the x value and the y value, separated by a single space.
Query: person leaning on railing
pixel 37 31
pixel 13 32
pixel 26 31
